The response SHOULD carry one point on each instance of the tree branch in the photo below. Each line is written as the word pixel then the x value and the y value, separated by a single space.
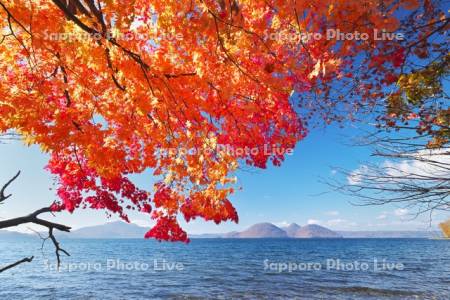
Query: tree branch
pixel 26 259
pixel 33 218
pixel 3 197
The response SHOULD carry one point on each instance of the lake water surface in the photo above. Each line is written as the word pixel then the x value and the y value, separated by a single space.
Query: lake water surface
pixel 230 269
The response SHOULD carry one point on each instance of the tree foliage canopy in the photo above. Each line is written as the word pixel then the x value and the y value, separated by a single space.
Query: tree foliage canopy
pixel 112 88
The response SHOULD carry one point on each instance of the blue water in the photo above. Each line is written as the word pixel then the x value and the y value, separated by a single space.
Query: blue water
pixel 230 269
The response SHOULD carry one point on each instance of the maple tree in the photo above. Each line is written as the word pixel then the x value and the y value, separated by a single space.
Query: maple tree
pixel 113 88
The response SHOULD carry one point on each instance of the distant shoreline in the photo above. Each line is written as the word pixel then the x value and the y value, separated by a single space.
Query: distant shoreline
pixel 122 230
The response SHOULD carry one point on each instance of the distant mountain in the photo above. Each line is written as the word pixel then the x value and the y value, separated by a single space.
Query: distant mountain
pixel 5 234
pixel 315 231
pixel 122 230
pixel 112 230
pixel 262 230
pixel 390 234
pixel 268 230
pixel 292 229
pixel 232 234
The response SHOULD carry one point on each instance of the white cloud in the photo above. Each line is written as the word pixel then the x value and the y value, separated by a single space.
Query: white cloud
pixel 356 176
pixel 420 167
pixel 332 213
pixel 415 164
pixel 341 223
pixel 282 224
pixel 401 212
pixel 143 223
pixel 338 223
pixel 314 221
pixel 401 224
pixel 382 216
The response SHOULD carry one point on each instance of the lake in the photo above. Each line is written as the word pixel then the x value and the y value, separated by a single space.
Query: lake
pixel 230 269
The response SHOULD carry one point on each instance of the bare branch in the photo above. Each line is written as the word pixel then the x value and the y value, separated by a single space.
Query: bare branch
pixel 33 218
pixel 9 136
pixel 26 259
pixel 58 249
pixel 408 174
pixel 3 197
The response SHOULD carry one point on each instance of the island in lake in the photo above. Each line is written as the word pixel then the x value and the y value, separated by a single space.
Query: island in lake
pixel 122 230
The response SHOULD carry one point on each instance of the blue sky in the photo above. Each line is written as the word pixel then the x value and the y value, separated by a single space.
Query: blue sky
pixel 293 192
